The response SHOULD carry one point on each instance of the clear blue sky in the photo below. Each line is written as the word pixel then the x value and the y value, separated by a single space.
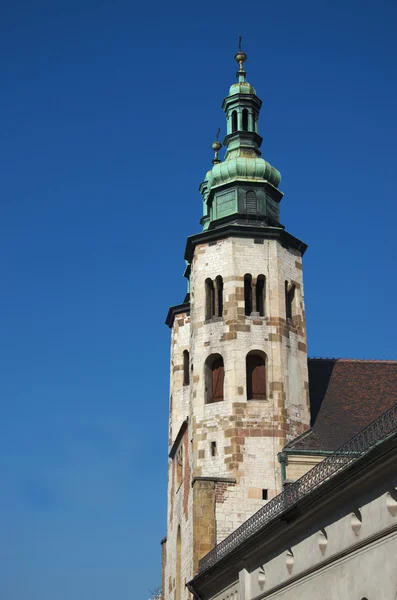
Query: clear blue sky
pixel 108 111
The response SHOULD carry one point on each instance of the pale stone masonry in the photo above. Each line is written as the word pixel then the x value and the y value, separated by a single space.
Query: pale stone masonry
pixel 223 445
pixel 338 539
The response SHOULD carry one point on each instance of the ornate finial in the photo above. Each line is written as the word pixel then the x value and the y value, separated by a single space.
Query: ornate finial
pixel 216 146
pixel 240 57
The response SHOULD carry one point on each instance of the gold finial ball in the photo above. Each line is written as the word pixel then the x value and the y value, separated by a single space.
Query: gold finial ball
pixel 216 145
pixel 240 57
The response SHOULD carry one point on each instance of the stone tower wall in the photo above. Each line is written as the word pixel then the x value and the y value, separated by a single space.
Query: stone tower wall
pixel 179 393
pixel 248 434
pixel 220 492
pixel 180 496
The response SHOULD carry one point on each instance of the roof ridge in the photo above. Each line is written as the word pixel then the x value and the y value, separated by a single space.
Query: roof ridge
pixel 339 359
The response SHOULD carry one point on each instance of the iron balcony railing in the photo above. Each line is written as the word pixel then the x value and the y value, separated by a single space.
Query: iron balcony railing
pixel 349 452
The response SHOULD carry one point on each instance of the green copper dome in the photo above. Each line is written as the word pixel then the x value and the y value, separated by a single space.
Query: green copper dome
pixel 242 87
pixel 242 168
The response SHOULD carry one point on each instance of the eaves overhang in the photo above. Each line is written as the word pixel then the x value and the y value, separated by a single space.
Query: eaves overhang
pixel 241 98
pixel 176 310
pixel 178 438
pixel 255 232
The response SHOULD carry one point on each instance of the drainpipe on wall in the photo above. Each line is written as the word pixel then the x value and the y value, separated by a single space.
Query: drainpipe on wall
pixel 282 459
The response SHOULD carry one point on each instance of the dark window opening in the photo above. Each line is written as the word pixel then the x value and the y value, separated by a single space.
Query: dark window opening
pixel 289 299
pixel 245 119
pixel 248 294
pixel 213 448
pixel 234 121
pixel 251 203
pixel 260 295
pixel 209 299
pixel 213 298
pixel 256 376
pixel 253 121
pixel 186 376
pixel 219 296
pixel 265 494
pixel 214 378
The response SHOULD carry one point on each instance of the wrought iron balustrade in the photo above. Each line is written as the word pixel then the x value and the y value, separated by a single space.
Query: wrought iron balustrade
pixel 349 452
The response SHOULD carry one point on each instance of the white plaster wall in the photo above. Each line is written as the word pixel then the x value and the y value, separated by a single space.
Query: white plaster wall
pixel 352 573
pixel 230 593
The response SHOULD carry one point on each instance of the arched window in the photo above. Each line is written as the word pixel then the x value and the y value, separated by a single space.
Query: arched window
pixel 253 121
pixel 251 203
pixel 186 377
pixel 234 121
pixel 245 119
pixel 248 294
pixel 289 299
pixel 213 297
pixel 209 299
pixel 260 295
pixel 178 565
pixel 214 378
pixel 218 296
pixel 256 375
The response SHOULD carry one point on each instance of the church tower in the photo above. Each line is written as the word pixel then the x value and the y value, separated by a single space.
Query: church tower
pixel 238 379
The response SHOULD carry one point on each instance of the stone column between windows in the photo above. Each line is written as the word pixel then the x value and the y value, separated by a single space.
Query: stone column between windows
pixel 239 120
pixel 253 293
pixel 216 307
pixel 229 123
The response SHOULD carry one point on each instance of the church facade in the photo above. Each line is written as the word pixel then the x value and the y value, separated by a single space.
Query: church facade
pixel 244 399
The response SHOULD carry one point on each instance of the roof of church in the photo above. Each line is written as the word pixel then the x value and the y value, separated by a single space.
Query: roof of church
pixel 346 395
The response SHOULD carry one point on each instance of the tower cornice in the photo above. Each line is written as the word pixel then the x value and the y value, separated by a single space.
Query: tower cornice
pixel 256 232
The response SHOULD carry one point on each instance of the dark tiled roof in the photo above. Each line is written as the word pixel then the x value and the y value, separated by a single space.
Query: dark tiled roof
pixel 345 396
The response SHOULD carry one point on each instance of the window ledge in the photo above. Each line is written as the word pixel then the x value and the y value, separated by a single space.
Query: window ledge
pixel 213 320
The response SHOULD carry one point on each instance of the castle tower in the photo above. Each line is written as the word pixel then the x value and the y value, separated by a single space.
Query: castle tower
pixel 239 381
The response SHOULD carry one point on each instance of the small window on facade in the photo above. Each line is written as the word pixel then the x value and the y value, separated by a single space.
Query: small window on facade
pixel 234 121
pixel 218 296
pixel 245 119
pixel 248 294
pixel 265 494
pixel 186 376
pixel 213 448
pixel 256 376
pixel 179 466
pixel 214 378
pixel 209 299
pixel 253 121
pixel 251 203
pixel 260 295
pixel 289 299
